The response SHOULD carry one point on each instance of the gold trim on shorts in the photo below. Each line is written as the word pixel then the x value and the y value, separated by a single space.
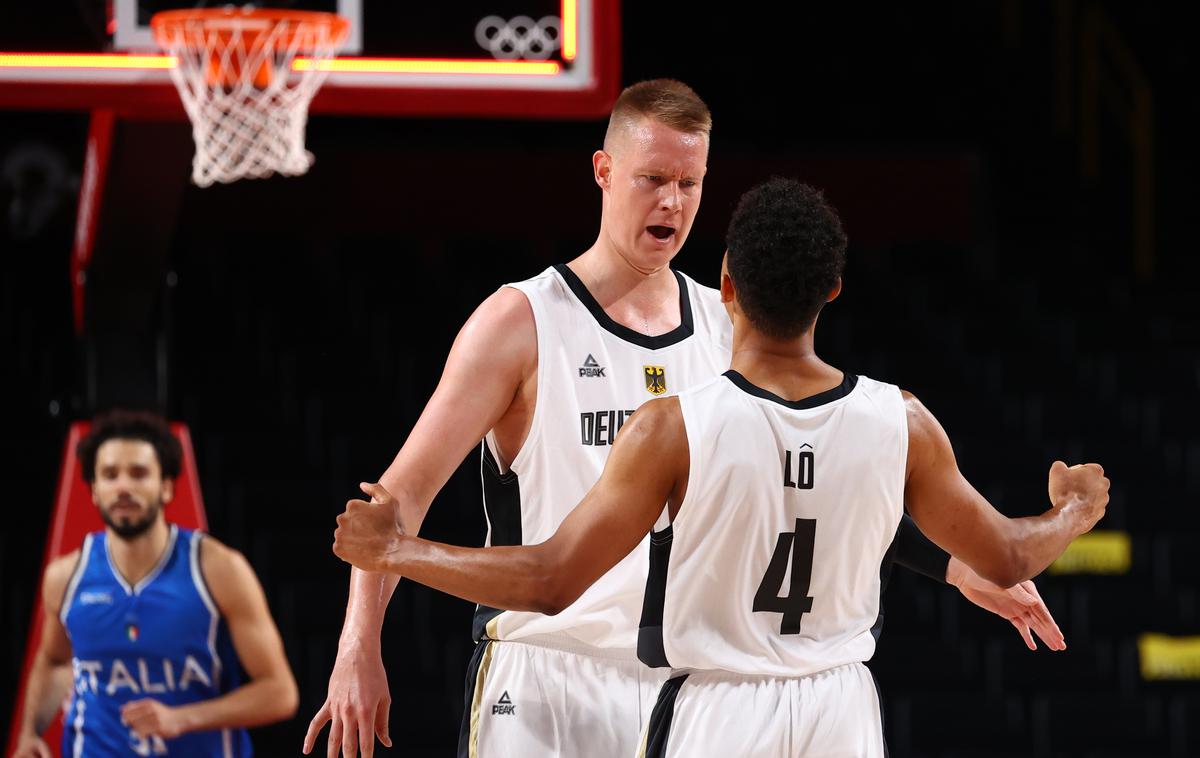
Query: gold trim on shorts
pixel 480 675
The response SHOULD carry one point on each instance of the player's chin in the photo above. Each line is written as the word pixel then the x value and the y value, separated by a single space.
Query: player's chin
pixel 653 254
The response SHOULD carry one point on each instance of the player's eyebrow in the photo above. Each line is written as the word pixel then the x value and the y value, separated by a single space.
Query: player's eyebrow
pixel 659 171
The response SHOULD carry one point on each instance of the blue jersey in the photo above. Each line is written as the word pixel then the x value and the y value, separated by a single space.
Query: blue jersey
pixel 162 638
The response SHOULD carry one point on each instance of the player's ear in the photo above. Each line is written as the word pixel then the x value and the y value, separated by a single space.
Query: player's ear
pixel 602 168
pixel 168 490
pixel 837 290
pixel 727 290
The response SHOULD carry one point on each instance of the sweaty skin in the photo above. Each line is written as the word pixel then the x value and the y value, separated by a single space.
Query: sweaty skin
pixel 649 175
pixel 648 466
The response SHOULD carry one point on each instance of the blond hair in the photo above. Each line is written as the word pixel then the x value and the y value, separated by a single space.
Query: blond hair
pixel 667 101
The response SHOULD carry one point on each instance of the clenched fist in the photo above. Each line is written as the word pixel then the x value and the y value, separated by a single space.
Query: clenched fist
pixel 1081 489
pixel 369 533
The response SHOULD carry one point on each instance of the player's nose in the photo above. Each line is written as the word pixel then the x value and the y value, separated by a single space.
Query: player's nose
pixel 668 198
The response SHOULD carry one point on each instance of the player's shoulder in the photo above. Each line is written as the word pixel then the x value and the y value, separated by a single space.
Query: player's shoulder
pixel 227 573
pixel 548 285
pixel 657 420
pixel 547 277
pixel 714 385
pixel 925 433
pixel 660 408
pixel 915 410
pixel 507 305
pixel 56 577
pixel 502 328
pixel 216 554
pixel 221 564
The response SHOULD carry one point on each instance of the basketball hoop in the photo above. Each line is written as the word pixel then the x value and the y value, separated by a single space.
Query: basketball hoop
pixel 234 74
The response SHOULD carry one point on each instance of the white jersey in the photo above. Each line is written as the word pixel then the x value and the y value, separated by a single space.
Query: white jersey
pixel 592 374
pixel 772 564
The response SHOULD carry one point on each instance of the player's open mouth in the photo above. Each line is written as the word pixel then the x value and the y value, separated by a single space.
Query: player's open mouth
pixel 661 232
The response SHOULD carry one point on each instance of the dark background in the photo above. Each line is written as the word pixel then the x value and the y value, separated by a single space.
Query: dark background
pixel 997 269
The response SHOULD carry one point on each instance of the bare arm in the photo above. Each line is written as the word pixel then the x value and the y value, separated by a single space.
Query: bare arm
pixel 50 676
pixel 647 469
pixel 270 694
pixel 956 517
pixel 498 342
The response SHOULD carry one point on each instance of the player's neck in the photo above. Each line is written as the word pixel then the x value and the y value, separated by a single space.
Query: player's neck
pixel 137 557
pixel 788 368
pixel 645 301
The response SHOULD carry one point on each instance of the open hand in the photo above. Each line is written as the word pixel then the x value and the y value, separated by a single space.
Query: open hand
pixel 1020 604
pixel 356 706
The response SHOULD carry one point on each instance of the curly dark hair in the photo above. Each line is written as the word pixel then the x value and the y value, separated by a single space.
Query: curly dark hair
pixel 787 251
pixel 131 425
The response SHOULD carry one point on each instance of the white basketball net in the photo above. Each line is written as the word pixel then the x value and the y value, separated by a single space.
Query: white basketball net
pixel 248 108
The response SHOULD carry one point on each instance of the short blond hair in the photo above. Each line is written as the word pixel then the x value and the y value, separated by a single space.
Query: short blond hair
pixel 667 101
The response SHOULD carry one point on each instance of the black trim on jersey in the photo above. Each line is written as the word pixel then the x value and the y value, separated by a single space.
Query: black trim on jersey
pixel 916 552
pixel 502 501
pixel 650 648
pixel 678 334
pixel 821 398
pixel 483 616
pixel 885 574
pixel 659 729
pixel 883 727
pixel 464 729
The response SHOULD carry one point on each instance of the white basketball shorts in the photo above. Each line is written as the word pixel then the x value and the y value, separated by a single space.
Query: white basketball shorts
pixel 529 698
pixel 831 714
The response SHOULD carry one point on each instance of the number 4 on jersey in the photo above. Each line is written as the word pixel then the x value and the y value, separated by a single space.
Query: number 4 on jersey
pixel 797 602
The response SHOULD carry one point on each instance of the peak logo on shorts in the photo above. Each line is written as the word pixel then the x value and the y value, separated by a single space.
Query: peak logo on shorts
pixel 656 379
pixel 504 706
pixel 591 368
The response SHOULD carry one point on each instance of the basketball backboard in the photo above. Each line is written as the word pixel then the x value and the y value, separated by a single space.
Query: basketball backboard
pixel 506 58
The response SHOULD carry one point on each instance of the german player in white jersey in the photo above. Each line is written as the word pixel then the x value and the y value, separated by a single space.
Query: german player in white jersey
pixel 568 356
pixel 784 481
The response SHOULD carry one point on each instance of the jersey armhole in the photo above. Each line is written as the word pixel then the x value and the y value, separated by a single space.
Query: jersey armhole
pixel 691 428
pixel 535 423
pixel 68 597
pixel 197 572
pixel 903 447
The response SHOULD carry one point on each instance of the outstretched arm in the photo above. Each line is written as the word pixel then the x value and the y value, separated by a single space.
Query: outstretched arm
pixel 1020 604
pixel 647 469
pixel 956 517
pixel 499 342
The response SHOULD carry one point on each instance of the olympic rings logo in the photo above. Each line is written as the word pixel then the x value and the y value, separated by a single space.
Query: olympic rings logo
pixel 521 37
